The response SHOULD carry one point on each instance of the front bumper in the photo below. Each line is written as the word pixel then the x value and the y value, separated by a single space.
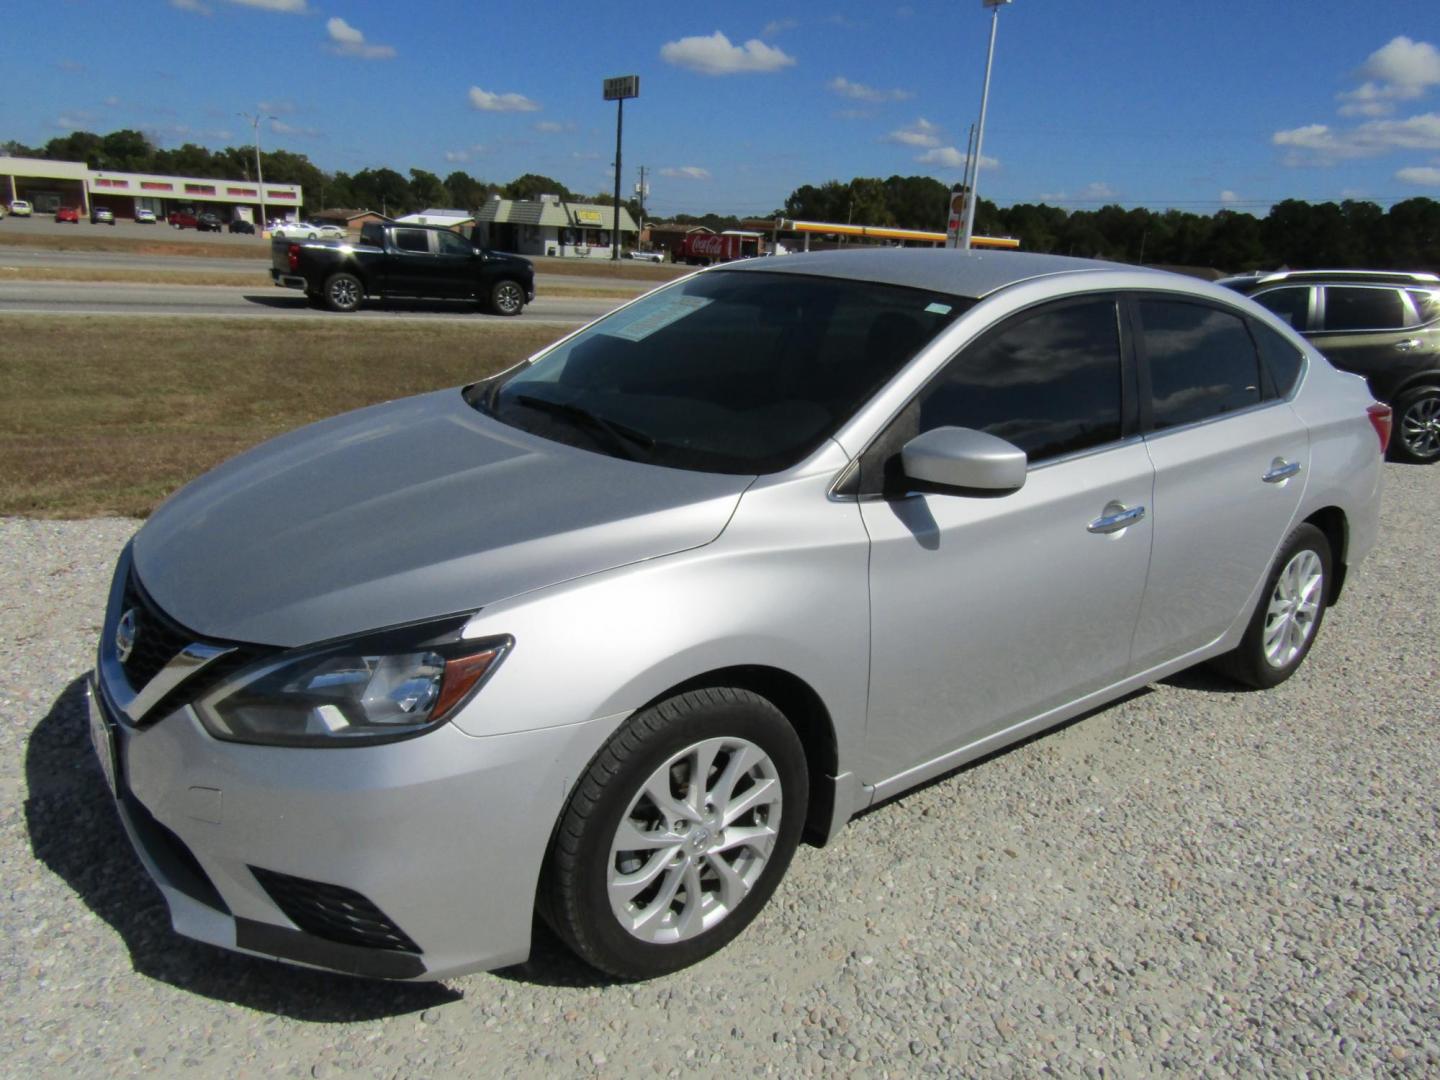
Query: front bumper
pixel 442 835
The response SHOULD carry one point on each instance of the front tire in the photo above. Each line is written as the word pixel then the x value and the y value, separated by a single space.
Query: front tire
pixel 1417 426
pixel 507 297
pixel 1289 614
pixel 678 833
pixel 344 293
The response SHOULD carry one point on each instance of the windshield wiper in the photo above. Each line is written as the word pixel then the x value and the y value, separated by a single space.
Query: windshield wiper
pixel 621 436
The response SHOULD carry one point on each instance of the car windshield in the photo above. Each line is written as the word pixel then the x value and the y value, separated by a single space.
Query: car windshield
pixel 733 372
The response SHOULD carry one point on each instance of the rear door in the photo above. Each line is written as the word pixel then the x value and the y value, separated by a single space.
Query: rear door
pixel 1375 331
pixel 410 266
pixel 1231 462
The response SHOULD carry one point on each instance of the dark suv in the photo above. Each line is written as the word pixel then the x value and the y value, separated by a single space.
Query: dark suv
pixel 1379 324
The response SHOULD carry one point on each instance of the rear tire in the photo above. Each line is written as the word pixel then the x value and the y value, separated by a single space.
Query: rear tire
pixel 677 834
pixel 1288 616
pixel 1416 435
pixel 344 293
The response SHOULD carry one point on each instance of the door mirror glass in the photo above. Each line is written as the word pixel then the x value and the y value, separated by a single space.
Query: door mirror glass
pixel 961 460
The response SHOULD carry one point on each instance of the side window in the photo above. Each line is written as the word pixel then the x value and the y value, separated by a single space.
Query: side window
pixel 1202 362
pixel 453 244
pixel 1280 357
pixel 417 240
pixel 1353 307
pixel 1292 304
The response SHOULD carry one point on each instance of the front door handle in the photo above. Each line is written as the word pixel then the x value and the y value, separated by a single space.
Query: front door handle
pixel 1281 470
pixel 1409 344
pixel 1115 518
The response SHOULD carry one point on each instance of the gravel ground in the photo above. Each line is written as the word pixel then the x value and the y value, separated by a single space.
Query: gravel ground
pixel 1193 879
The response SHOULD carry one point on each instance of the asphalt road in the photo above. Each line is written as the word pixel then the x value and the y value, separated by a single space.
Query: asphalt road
pixel 75 298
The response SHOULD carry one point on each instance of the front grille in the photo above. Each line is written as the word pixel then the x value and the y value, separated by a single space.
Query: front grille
pixel 333 912
pixel 157 638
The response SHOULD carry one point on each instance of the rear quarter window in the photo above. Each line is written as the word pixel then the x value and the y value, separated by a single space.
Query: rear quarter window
pixel 1282 358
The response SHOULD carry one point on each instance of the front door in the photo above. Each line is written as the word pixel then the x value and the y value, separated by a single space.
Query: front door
pixel 987 611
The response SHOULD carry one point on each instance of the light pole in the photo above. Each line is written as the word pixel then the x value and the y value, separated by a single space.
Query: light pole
pixel 969 229
pixel 259 173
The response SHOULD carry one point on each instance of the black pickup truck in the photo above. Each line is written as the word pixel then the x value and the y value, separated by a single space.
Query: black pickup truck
pixel 402 260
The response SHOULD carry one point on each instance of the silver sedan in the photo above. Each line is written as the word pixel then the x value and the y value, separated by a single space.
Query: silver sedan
pixel 608 634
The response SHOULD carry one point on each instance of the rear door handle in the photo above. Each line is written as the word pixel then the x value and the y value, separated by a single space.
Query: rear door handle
pixel 1116 518
pixel 1408 344
pixel 1281 470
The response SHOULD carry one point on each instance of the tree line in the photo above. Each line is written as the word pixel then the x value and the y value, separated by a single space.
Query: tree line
pixel 1353 233
pixel 1297 234
pixel 381 189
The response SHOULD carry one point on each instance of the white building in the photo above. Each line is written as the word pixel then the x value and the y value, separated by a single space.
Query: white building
pixel 551 225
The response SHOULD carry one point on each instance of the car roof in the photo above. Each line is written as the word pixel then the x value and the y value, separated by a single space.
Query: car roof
pixel 974 274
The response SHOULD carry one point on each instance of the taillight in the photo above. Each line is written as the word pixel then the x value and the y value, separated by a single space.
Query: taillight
pixel 292 255
pixel 1381 419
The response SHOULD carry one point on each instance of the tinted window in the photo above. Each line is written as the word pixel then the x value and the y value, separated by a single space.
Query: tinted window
pixel 1281 358
pixel 1355 308
pixel 453 244
pixel 412 240
pixel 1427 303
pixel 1050 383
pixel 741 372
pixel 1202 362
pixel 1292 304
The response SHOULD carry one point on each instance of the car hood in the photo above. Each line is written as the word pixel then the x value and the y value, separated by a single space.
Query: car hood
pixel 403 512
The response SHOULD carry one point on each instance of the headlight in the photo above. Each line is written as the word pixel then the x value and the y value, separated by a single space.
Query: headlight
pixel 367 691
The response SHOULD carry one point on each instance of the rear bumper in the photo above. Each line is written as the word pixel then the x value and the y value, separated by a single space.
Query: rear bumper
pixel 289 281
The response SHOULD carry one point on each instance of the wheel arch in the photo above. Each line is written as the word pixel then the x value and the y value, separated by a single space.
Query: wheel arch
pixel 1332 522
pixel 807 714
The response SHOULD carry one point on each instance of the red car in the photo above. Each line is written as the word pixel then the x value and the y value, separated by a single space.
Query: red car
pixel 182 219
pixel 68 213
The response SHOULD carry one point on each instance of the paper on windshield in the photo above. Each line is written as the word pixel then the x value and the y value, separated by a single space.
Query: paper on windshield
pixel 652 317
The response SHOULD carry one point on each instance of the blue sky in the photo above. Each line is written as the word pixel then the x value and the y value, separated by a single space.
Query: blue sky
pixel 1157 103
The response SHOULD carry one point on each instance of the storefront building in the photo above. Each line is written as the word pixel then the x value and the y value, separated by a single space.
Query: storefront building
pixel 551 225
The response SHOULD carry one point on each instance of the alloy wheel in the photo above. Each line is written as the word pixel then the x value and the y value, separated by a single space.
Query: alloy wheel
pixel 1420 427
pixel 1294 607
pixel 508 297
pixel 694 840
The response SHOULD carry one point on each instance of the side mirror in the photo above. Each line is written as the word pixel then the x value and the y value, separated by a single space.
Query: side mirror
pixel 961 460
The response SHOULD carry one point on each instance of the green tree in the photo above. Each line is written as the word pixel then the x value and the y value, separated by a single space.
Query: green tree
pixel 533 185
pixel 426 190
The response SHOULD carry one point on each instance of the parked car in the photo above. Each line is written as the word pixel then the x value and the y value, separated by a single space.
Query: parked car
pixel 182 219
pixel 102 215
pixel 240 225
pixel 68 214
pixel 208 222
pixel 1379 324
pixel 605 634
pixel 403 260
pixel 20 208
pixel 143 216
pixel 307 230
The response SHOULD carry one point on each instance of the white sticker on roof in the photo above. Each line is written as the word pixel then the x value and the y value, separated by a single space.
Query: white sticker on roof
pixel 653 317
pixel 938 309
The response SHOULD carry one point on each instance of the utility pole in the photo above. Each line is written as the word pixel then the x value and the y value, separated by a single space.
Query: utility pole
pixel 259 172
pixel 969 230
pixel 640 192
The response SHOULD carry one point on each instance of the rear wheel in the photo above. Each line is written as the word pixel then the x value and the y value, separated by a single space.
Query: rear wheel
pixel 1416 437
pixel 507 298
pixel 343 292
pixel 677 834
pixel 1289 613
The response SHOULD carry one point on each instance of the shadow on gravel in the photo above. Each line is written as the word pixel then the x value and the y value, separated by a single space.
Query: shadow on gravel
pixel 293 300
pixel 1202 678
pixel 74 830
pixel 552 964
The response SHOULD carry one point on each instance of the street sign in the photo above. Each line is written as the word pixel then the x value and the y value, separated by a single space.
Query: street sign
pixel 957 213
pixel 622 87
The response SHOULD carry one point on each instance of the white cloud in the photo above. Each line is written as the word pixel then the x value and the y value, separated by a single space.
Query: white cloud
pixel 466 154
pixel 279 127
pixel 290 7
pixel 1424 175
pixel 75 120
pixel 1401 70
pixel 485 101
pixel 778 26
pixel 920 133
pixel 1096 189
pixel 1319 144
pixel 949 157
pixel 860 92
pixel 346 40
pixel 687 172
pixel 1229 198
pixel 283 108
pixel 112 102
pixel 853 114
pixel 553 127
pixel 191 5
pixel 715 55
